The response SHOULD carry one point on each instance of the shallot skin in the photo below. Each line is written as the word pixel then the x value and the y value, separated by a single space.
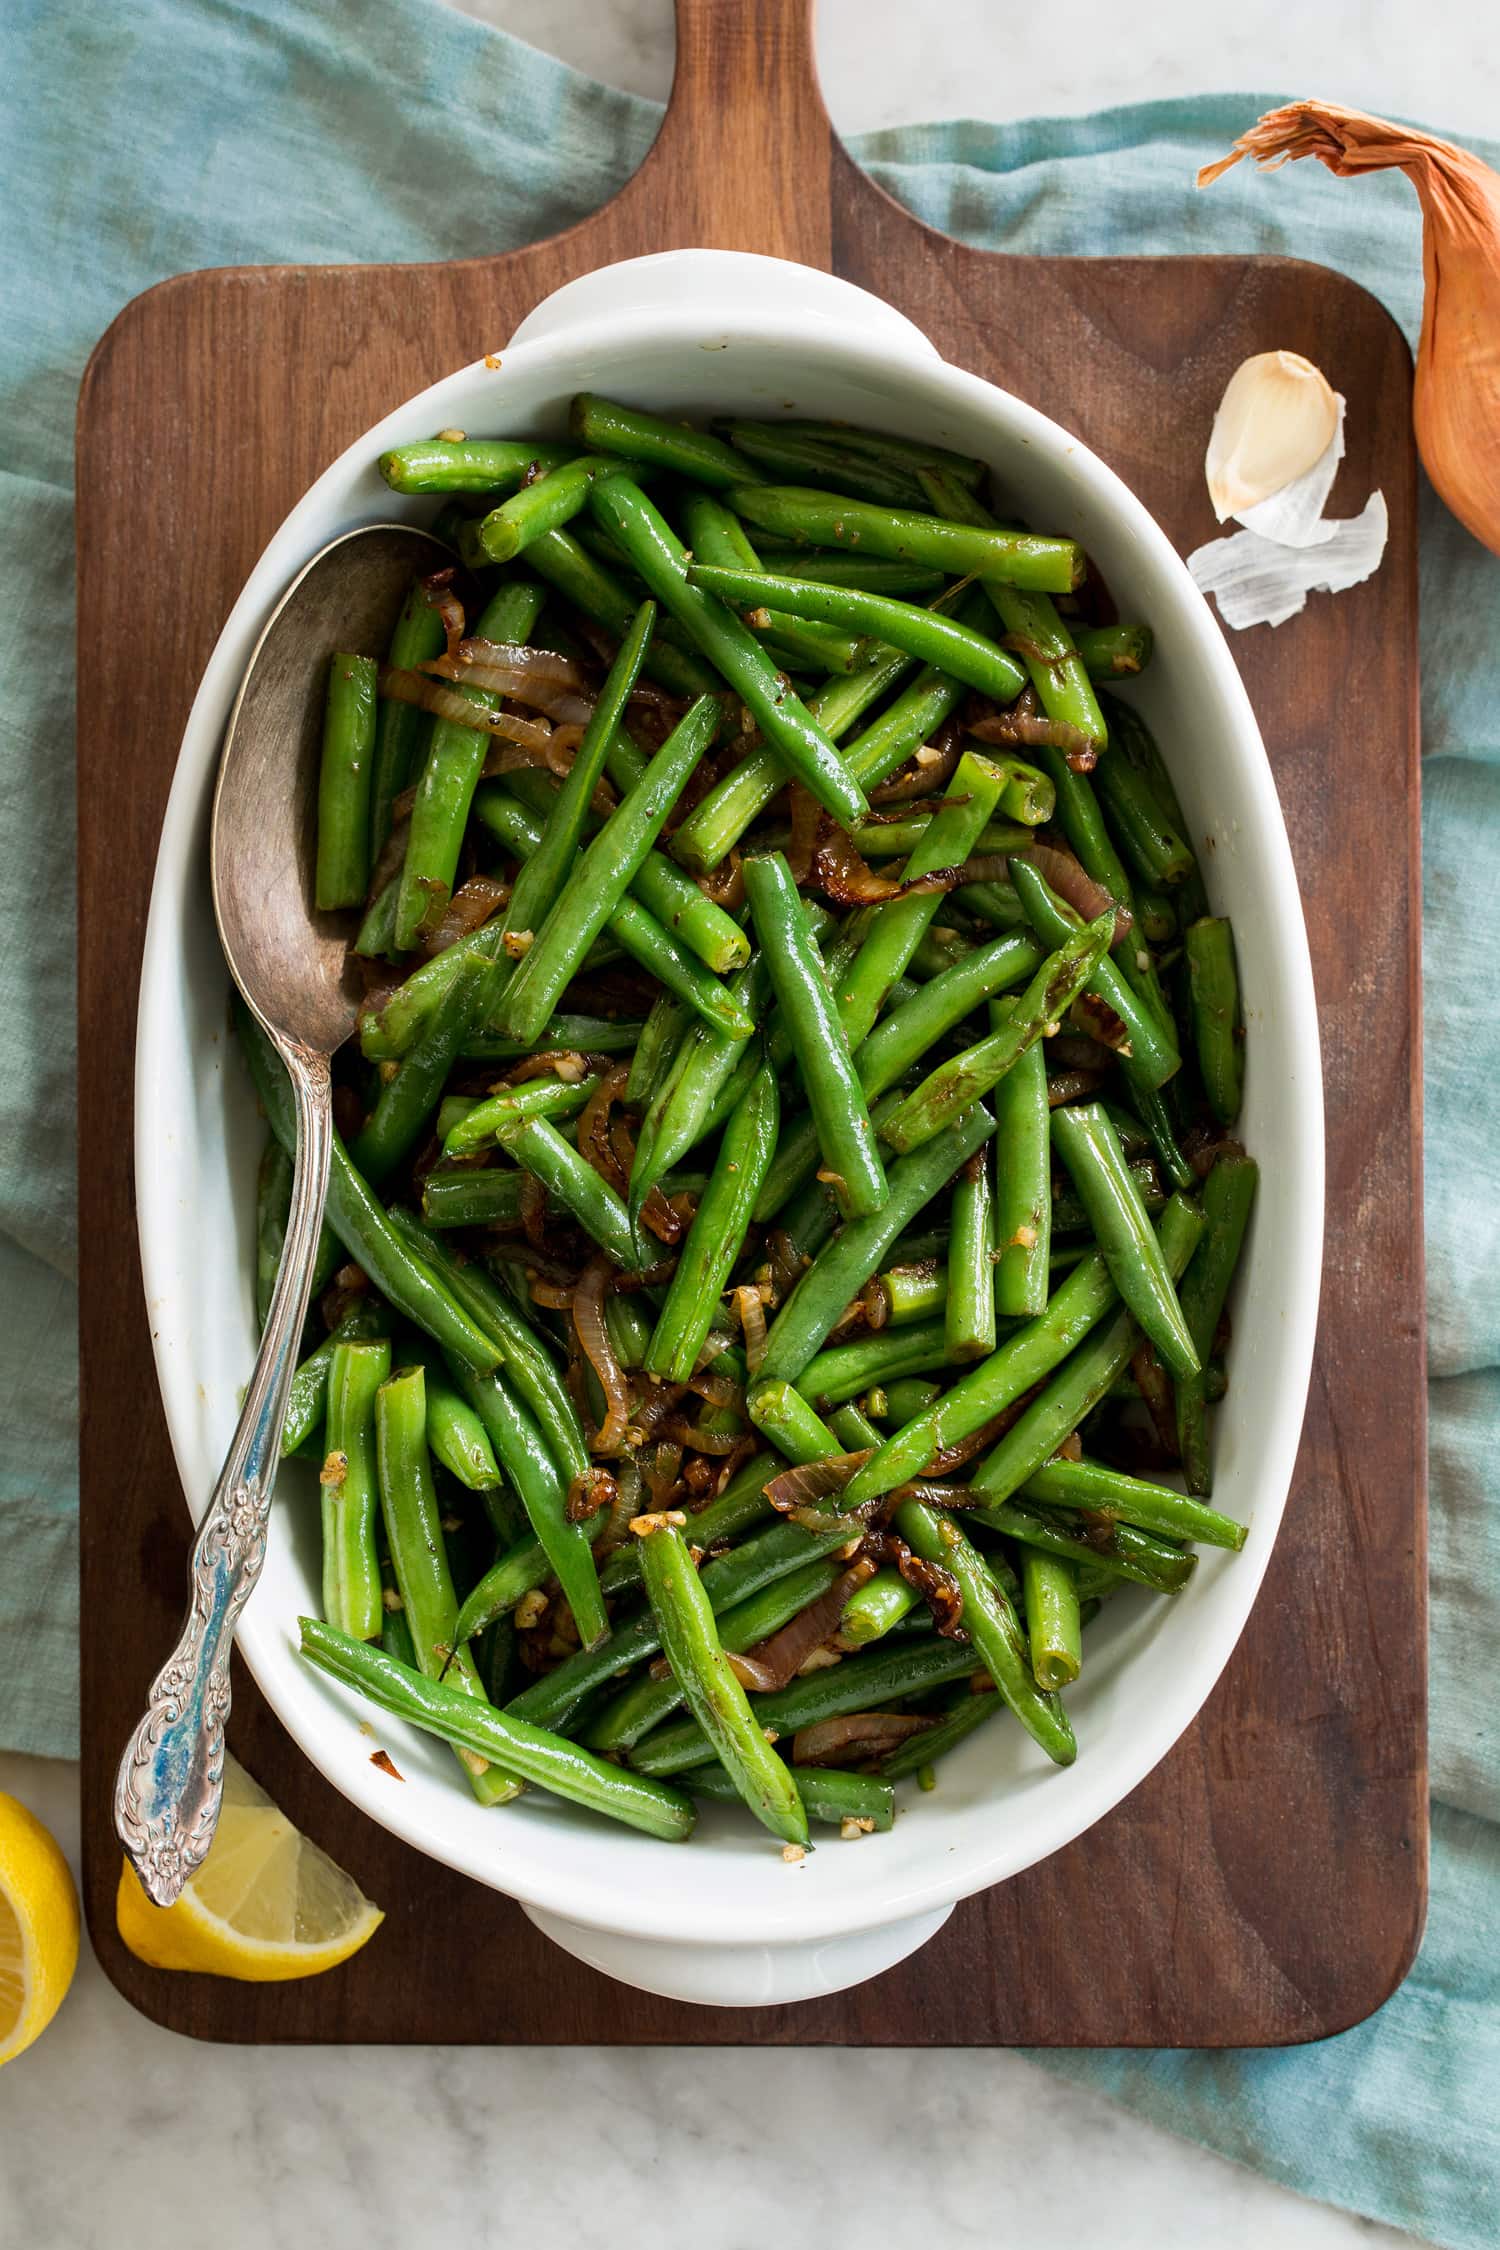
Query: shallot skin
pixel 1456 405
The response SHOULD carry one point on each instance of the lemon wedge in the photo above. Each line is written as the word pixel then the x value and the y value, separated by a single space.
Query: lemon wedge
pixel 266 1905
pixel 38 1928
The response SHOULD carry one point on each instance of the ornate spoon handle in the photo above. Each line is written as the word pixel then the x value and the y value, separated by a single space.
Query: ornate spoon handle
pixel 171 1777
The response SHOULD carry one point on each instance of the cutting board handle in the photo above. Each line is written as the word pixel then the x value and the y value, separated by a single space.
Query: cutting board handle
pixel 744 152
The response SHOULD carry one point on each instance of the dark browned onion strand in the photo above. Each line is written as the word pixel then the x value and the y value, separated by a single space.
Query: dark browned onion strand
pixel 829 1742
pixel 1066 875
pixel 593 1337
pixel 437 592
pixel 469 909
pixel 774 1661
pixel 444 702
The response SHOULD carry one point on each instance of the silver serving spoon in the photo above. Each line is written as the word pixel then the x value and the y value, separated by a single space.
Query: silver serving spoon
pixel 291 964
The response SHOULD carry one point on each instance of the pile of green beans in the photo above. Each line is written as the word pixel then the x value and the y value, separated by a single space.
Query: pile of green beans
pixel 778 1249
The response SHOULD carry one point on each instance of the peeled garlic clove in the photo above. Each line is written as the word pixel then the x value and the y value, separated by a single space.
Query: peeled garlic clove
pixel 1257 581
pixel 1294 516
pixel 1276 420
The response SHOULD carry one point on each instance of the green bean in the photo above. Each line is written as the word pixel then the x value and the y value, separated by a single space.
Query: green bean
pixel 956 1724
pixel 714 535
pixel 1147 838
pixel 894 1673
pixel 897 927
pixel 816 1303
pixel 404 1110
pixel 607 427
pixel 875 1607
pixel 545 871
pixel 357 1218
pixel 455 760
pixel 908 454
pixel 528 1364
pixel 740 1507
pixel 894 1046
pixel 909 1395
pixel 530 1469
pixel 650 941
pixel 456 1437
pixel 1070 1213
pixel 655 1048
pixel 351 1491
pixel 524 1566
pixel 1028 797
pixel 1112 652
pixel 828 1794
pixel 934 639
pixel 308 1398
pixel 569 1177
pixel 1053 1626
pixel 872 572
pixel 685 1621
pixel 348 758
pixel 990 1620
pixel 966 1077
pixel 1214 1002
pixel 593 1035
pixel 1156 914
pixel 375 939
pixel 1023 1195
pixel 791 456
pixel 477 1729
pixel 1020 1363
pixel 556 1698
pixel 782 1414
pixel 273 1203
pixel 1228 1194
pixel 898 839
pixel 821 519
pixel 1058 674
pixel 1151 1048
pixel 702 1070
pixel 413 1531
pixel 843 1371
pixel 1115 1498
pixel 385 1036
pixel 840 1113
pixel 970 1310
pixel 714 827
pixel 545 504
pixel 470 1198
pixel 1133 739
pixel 602 875
pixel 631 1715
pixel 483 1122
pixel 1090 1148
pixel 1084 1378
pixel 718 634
pixel 401 730
pixel 1138 1555
pixel 914 1290
pixel 591 585
pixel 467 464
pixel 718 1231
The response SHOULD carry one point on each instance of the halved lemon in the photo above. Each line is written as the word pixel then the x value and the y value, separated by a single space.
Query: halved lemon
pixel 266 1905
pixel 38 1928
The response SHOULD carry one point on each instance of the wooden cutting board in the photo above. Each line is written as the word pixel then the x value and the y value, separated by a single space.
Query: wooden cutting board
pixel 1267 1883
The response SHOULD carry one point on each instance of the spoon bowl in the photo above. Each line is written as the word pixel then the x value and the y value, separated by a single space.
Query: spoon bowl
pixel 291 964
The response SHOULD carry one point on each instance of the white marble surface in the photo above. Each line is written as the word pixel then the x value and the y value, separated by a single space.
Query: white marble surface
pixel 404 2146
pixel 409 2148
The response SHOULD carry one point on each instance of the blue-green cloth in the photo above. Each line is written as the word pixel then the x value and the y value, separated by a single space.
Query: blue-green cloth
pixel 140 142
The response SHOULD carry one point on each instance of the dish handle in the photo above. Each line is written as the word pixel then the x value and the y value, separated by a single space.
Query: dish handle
pixel 732 287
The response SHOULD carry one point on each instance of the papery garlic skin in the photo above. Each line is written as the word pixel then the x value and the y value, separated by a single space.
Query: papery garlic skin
pixel 1277 418
pixel 1259 581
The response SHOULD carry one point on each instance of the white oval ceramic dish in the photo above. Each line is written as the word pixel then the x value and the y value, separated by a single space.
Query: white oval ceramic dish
pixel 726 1920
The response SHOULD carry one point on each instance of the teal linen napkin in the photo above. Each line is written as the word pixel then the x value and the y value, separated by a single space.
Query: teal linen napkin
pixel 184 133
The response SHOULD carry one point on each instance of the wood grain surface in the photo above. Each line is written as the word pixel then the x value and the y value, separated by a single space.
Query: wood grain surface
pixel 1267 1883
